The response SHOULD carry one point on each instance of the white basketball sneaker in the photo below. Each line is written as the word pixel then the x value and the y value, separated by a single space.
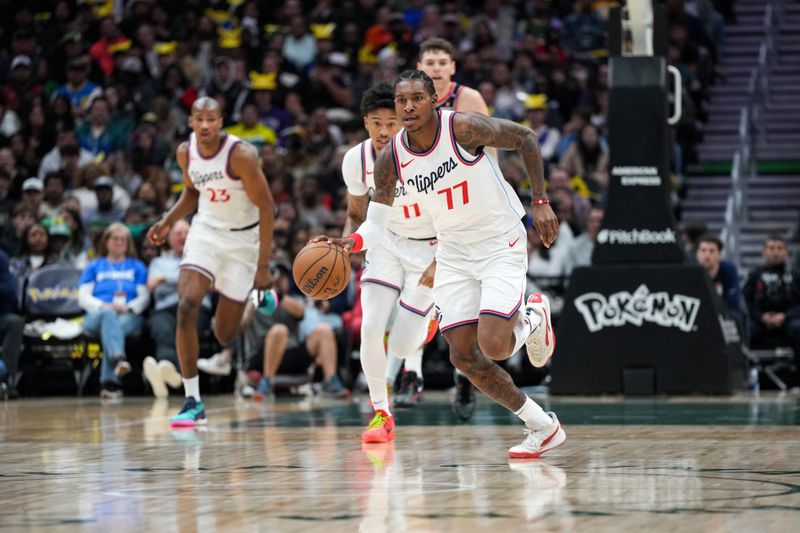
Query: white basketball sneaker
pixel 153 376
pixel 217 365
pixel 542 340
pixel 539 441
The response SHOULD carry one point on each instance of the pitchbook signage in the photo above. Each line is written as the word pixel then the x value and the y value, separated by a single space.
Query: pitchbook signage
pixel 639 321
pixel 638 225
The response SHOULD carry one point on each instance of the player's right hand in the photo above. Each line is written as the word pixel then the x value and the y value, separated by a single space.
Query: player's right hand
pixel 346 243
pixel 158 232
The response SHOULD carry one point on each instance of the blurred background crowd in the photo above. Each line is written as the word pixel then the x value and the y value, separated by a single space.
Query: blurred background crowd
pixel 95 95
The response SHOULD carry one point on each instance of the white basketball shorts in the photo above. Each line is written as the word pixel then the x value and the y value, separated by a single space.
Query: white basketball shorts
pixel 397 263
pixel 486 277
pixel 228 258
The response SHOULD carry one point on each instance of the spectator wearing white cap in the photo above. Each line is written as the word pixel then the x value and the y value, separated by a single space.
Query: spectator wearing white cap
pixel 33 193
pixel 21 85
pixel 106 211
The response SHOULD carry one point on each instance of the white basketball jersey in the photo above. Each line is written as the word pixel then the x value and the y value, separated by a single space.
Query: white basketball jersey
pixel 408 219
pixel 467 196
pixel 223 203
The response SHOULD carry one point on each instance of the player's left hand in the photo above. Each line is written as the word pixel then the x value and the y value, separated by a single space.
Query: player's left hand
pixel 546 223
pixel 263 280
pixel 346 243
pixel 426 279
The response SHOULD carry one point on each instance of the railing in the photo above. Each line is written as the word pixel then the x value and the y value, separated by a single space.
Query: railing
pixel 752 121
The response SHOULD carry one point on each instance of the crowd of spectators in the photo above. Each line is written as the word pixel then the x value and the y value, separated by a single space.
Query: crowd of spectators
pixel 95 95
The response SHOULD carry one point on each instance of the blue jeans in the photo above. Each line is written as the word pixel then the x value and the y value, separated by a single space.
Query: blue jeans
pixel 112 330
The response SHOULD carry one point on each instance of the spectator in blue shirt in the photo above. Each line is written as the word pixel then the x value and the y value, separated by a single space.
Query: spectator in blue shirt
pixel 114 294
pixel 78 89
pixel 96 135
pixel 723 274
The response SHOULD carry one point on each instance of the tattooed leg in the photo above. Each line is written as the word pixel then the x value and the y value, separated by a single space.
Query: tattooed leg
pixel 484 373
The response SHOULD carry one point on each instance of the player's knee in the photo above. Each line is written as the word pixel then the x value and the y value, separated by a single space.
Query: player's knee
pixel 402 344
pixel 372 335
pixel 459 359
pixel 187 312
pixel 492 346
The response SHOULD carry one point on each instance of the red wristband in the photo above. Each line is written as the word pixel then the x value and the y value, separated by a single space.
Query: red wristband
pixel 540 201
pixel 359 245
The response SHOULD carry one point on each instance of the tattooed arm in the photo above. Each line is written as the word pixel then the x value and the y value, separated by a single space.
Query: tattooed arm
pixel 385 178
pixel 474 131
pixel 356 212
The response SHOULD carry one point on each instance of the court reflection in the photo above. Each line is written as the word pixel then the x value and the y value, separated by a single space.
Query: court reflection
pixel 542 491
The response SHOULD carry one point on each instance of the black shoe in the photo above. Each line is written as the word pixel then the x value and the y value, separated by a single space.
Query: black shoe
pixel 464 403
pixel 410 390
pixel 110 391
pixel 12 393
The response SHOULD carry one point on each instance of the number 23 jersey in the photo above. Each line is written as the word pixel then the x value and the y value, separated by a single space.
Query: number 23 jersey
pixel 467 196
pixel 223 202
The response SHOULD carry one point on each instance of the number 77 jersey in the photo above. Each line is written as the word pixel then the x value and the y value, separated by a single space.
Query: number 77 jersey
pixel 467 196
pixel 408 219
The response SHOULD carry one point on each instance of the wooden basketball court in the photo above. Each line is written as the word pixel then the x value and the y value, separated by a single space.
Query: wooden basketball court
pixel 296 464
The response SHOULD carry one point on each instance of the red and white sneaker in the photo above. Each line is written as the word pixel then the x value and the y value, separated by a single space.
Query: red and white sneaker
pixel 539 441
pixel 381 429
pixel 542 340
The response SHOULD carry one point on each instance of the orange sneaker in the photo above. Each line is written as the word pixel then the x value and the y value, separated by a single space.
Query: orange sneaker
pixel 381 429
pixel 433 328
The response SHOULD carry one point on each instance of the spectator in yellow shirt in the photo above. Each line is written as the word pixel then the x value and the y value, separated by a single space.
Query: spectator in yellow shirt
pixel 251 130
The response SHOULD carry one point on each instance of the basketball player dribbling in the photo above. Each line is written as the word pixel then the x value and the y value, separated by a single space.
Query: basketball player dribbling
pixel 400 266
pixel 437 60
pixel 229 241
pixel 438 161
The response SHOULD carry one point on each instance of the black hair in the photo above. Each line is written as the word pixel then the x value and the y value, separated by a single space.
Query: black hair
pixel 713 239
pixel 56 175
pixel 380 96
pixel 415 75
pixel 25 248
pixel 775 237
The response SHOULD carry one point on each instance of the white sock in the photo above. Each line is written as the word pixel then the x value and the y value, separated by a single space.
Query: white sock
pixel 533 415
pixel 393 366
pixel 524 326
pixel 377 392
pixel 192 387
pixel 382 405
pixel 413 363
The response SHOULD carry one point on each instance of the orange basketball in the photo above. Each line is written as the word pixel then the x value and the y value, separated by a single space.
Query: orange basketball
pixel 321 270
